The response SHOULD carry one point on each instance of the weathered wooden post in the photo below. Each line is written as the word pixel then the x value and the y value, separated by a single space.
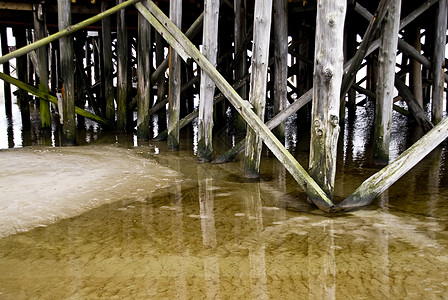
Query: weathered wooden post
pixel 174 81
pixel 438 63
pixel 144 56
pixel 7 86
pixel 207 88
pixel 108 68
pixel 416 74
pixel 328 71
pixel 239 7
pixel 22 97
pixel 258 83
pixel 385 84
pixel 161 81
pixel 40 31
pixel 67 74
pixel 280 61
pixel 122 71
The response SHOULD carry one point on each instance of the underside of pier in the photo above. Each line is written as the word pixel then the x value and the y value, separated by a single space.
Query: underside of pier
pixel 122 63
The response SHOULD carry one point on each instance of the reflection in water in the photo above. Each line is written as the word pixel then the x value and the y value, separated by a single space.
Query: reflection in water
pixel 208 237
pixel 213 235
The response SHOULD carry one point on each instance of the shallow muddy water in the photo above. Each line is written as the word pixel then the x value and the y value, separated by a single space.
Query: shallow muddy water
pixel 212 235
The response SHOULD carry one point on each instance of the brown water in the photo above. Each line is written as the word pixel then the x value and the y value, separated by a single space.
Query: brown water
pixel 213 235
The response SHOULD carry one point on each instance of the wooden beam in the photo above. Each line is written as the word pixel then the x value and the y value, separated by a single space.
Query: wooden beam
pixel 315 193
pixel 50 98
pixel 376 184
pixel 258 83
pixel 123 73
pixel 7 5
pixel 369 35
pixel 65 32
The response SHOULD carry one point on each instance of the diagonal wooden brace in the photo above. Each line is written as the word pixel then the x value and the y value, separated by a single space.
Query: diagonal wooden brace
pixel 171 33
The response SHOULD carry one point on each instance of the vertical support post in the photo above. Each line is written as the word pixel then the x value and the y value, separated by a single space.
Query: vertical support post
pixel 328 70
pixel 144 55
pixel 7 86
pixel 438 63
pixel 207 88
pixel 280 61
pixel 161 83
pixel 239 7
pixel 67 73
pixel 174 81
pixel 21 62
pixel 108 69
pixel 123 71
pixel 416 74
pixel 40 32
pixel 258 83
pixel 385 84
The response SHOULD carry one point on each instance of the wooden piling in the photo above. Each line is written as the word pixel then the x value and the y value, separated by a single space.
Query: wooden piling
pixel 174 85
pixel 40 32
pixel 207 87
pixel 385 84
pixel 6 67
pixel 280 61
pixel 123 76
pixel 108 68
pixel 239 8
pixel 156 17
pixel 328 70
pixel 438 64
pixel 67 74
pixel 144 58
pixel 258 83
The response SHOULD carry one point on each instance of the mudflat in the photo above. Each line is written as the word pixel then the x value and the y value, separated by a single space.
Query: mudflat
pixel 41 185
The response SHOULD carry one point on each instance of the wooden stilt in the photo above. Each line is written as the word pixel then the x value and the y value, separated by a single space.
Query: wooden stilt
pixel 161 81
pixel 174 82
pixel 438 64
pixel 207 88
pixel 280 61
pixel 7 87
pixel 239 7
pixel 328 70
pixel 416 74
pixel 67 73
pixel 40 32
pixel 123 120
pixel 385 84
pixel 21 62
pixel 156 17
pixel 143 76
pixel 108 68
pixel 258 83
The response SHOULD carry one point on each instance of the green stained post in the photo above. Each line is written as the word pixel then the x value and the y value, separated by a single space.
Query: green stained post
pixel 40 32
pixel 67 74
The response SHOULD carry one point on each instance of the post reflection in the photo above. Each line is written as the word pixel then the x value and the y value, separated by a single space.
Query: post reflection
pixel 257 255
pixel 206 213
